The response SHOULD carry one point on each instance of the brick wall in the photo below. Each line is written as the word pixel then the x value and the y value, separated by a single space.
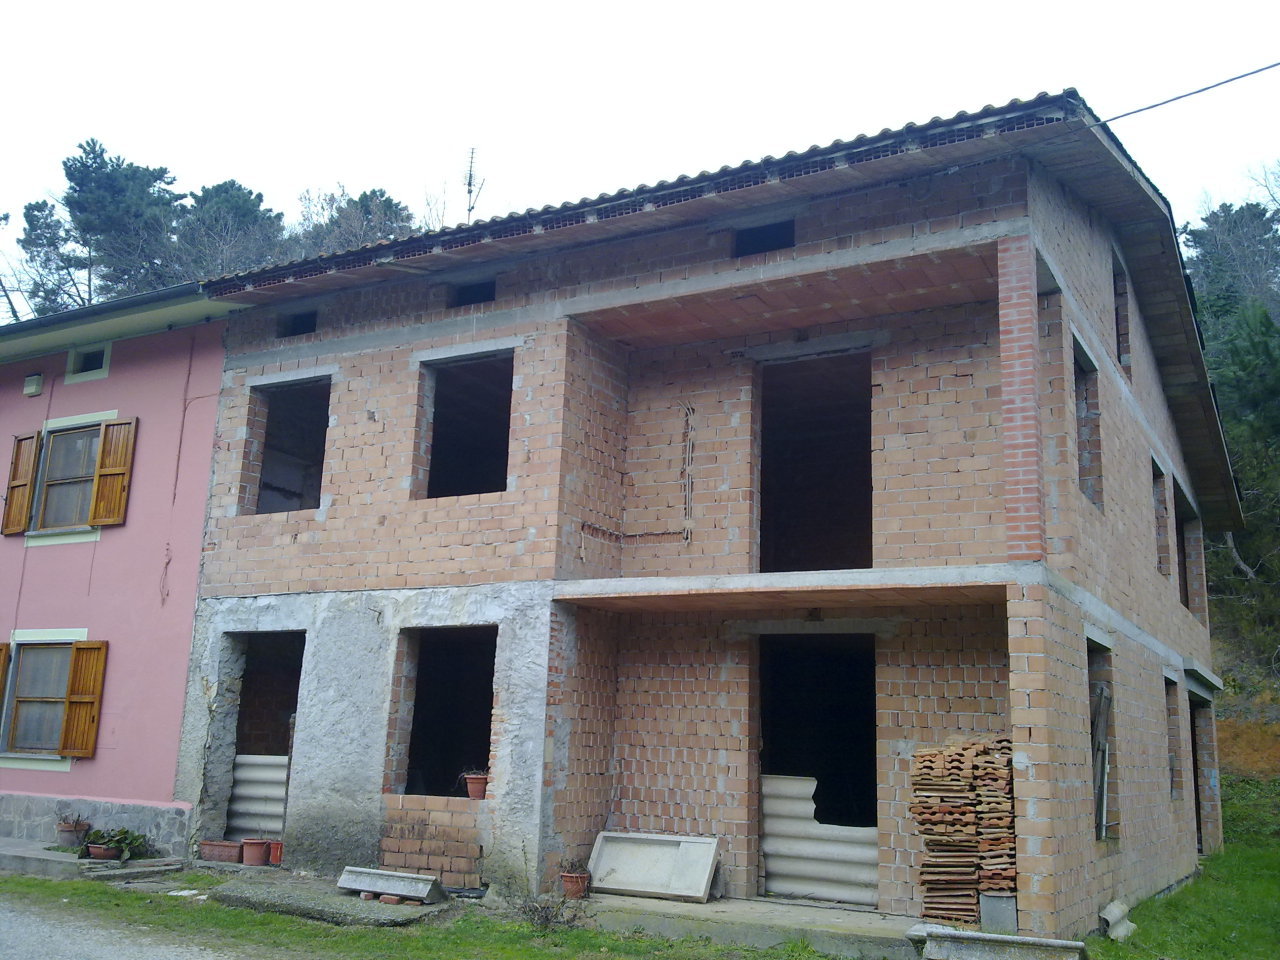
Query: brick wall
pixel 940 676
pixel 685 741
pixel 433 835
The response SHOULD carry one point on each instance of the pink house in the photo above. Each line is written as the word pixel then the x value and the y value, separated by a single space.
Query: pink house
pixel 106 421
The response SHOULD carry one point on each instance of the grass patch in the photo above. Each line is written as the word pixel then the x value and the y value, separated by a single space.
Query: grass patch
pixel 473 935
pixel 1231 912
pixel 1250 809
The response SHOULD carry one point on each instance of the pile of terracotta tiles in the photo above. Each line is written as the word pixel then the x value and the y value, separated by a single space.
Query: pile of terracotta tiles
pixel 962 800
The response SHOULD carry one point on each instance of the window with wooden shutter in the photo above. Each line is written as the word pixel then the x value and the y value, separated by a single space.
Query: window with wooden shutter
pixel 22 483
pixel 114 469
pixel 84 698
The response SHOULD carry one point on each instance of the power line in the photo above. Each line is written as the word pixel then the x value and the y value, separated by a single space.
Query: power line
pixel 1192 93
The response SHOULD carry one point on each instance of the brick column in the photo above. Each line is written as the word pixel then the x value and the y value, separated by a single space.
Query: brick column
pixel 1020 401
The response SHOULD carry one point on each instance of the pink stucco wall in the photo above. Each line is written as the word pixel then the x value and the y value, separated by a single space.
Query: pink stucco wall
pixel 136 586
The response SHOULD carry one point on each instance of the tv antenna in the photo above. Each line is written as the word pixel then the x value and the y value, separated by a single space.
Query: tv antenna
pixel 473 188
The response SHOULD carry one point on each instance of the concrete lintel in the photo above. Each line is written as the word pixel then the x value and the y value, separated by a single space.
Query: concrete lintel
pixel 814 346
pixel 414 886
pixel 474 348
pixel 947 943
pixel 294 376
pixel 1192 667
pixel 939 576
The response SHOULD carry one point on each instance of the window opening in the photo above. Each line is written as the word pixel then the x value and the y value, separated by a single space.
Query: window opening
pixel 465 294
pixel 1160 503
pixel 1190 552
pixel 72 477
pixel 1201 725
pixel 89 362
pixel 269 692
pixel 762 239
pixel 1173 715
pixel 815 464
pixel 1121 286
pixel 818 691
pixel 1101 740
pixel 54 696
pixel 297 324
pixel 464 426
pixel 1088 427
pixel 452 708
pixel 70 460
pixel 293 447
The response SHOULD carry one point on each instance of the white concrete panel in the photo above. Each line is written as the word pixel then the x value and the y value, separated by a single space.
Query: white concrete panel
pixel 654 865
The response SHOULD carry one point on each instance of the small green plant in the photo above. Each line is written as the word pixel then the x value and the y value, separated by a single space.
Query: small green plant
pixel 129 843
pixel 73 821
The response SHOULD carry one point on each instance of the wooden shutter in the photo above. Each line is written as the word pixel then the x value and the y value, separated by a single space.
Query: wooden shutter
pixel 22 483
pixel 4 673
pixel 111 477
pixel 84 698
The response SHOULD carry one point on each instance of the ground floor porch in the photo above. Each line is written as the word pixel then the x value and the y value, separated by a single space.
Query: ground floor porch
pixel 604 705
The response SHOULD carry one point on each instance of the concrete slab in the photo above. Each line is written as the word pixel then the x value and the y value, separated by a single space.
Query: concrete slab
pixel 31 857
pixel 760 923
pixel 409 885
pixel 654 865
pixel 318 900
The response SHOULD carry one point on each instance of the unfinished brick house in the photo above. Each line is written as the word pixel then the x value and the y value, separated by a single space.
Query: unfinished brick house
pixel 672 505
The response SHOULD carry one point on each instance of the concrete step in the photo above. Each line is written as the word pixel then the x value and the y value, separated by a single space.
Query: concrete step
pixel 759 923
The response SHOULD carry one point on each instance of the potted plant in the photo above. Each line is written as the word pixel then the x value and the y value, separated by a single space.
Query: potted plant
pixel 477 783
pixel 121 844
pixel 72 829
pixel 575 878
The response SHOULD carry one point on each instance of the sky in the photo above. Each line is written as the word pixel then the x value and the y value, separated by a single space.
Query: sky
pixel 563 100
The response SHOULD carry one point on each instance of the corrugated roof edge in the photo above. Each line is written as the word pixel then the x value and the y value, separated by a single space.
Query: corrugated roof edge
pixel 637 199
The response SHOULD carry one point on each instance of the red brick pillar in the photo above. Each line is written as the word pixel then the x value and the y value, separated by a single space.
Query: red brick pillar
pixel 1020 402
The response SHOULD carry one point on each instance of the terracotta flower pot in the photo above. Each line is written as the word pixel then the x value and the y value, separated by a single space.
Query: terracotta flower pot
pixel 477 785
pixel 256 852
pixel 224 851
pixel 575 885
pixel 70 835
pixel 98 852
pixel 276 856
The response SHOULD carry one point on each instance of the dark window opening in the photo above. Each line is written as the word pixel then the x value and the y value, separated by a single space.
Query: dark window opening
pixel 465 294
pixel 465 425
pixel 1173 715
pixel 89 360
pixel 815 464
pixel 297 417
pixel 762 239
pixel 452 708
pixel 269 692
pixel 1088 427
pixel 817 719
pixel 1121 286
pixel 1184 521
pixel 1160 504
pixel 1201 726
pixel 296 325
pixel 1102 741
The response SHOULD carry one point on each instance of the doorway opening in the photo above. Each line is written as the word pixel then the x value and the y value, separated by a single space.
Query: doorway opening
pixel 815 464
pixel 817 719
pixel 452 708
pixel 264 733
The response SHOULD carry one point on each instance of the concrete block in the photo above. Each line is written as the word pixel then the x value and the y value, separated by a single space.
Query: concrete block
pixel 938 942
pixel 654 865
pixel 424 888
pixel 999 912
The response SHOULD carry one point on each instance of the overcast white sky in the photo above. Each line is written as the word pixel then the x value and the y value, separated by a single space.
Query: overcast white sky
pixel 566 99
